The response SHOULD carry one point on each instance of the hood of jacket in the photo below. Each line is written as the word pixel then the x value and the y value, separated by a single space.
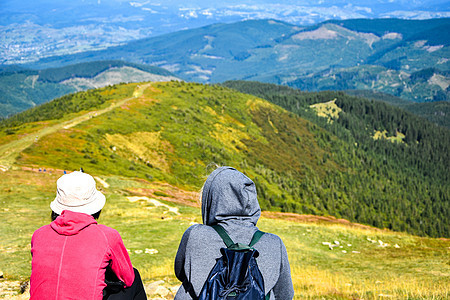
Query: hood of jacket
pixel 229 196
pixel 71 223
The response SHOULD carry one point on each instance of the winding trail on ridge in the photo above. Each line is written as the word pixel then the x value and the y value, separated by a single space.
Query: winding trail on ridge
pixel 10 151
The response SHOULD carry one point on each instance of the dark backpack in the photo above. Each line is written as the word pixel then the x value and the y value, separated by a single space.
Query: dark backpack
pixel 236 274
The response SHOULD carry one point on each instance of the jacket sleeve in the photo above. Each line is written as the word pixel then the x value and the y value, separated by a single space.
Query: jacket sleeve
pixel 284 289
pixel 120 261
pixel 180 258
pixel 182 266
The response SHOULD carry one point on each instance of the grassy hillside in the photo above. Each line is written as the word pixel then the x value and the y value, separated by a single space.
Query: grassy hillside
pixel 151 217
pixel 173 131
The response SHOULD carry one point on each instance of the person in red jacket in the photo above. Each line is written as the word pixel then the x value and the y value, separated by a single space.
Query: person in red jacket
pixel 71 255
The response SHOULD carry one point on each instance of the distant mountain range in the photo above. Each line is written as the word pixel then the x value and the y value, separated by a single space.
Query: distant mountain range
pixel 30 30
pixel 405 58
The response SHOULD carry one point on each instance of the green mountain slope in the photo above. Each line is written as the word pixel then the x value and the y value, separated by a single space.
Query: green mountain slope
pixel 413 156
pixel 22 89
pixel 171 132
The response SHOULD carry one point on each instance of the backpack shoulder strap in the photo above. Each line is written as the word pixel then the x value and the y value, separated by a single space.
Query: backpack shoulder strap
pixel 258 234
pixel 223 234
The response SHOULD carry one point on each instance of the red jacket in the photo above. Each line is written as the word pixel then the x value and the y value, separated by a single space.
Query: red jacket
pixel 70 255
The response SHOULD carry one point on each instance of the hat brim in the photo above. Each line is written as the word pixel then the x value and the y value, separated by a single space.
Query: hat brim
pixel 90 208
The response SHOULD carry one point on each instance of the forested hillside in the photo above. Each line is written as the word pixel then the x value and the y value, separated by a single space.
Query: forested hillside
pixel 437 112
pixel 400 181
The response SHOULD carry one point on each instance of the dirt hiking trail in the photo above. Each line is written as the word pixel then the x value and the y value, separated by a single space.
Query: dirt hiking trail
pixel 10 151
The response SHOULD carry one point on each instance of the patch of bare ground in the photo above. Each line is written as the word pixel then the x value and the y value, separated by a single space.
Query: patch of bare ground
pixel 314 219
pixel 169 193
pixel 160 290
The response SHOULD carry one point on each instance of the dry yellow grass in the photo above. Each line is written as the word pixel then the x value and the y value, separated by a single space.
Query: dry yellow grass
pixel 327 110
pixel 256 103
pixel 145 146
pixel 230 137
pixel 399 137
pixel 311 282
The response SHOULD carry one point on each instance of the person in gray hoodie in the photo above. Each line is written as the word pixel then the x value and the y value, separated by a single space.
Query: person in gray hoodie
pixel 229 199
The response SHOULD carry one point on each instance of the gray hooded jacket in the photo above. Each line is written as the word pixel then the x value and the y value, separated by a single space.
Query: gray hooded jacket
pixel 229 199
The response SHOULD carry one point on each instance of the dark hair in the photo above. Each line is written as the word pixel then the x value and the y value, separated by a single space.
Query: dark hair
pixel 95 215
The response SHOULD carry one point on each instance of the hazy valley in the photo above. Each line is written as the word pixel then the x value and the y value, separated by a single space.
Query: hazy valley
pixel 43 28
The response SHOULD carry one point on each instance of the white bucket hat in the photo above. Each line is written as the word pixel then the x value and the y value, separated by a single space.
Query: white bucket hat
pixel 77 192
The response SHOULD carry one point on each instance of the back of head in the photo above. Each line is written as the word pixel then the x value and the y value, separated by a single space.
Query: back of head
pixel 229 195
